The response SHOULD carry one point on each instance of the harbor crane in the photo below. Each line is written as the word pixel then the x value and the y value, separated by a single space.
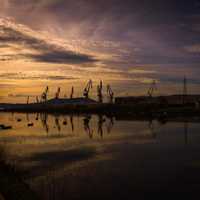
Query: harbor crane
pixel 44 94
pixel 37 99
pixel 152 88
pixel 72 93
pixel 27 101
pixel 87 89
pixel 57 93
pixel 184 90
pixel 110 94
pixel 99 92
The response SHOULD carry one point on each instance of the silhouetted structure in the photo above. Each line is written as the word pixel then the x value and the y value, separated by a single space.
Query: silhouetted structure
pixel 110 94
pixel 44 95
pixel 99 92
pixel 72 93
pixel 57 93
pixel 152 88
pixel 184 90
pixel 37 100
pixel 87 89
pixel 27 100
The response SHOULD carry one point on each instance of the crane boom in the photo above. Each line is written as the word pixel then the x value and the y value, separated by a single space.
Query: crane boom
pixel 99 92
pixel 44 94
pixel 72 93
pixel 57 93
pixel 87 89
pixel 110 94
pixel 152 89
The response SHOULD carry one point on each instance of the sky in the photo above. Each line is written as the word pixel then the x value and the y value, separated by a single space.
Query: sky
pixel 127 44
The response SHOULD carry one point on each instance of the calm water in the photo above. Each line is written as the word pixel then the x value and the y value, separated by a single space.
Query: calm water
pixel 73 157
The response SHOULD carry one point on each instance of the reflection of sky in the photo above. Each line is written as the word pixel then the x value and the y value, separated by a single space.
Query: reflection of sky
pixel 130 149
pixel 124 43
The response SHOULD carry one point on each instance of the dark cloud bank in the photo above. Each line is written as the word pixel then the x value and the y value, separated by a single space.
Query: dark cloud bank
pixel 46 52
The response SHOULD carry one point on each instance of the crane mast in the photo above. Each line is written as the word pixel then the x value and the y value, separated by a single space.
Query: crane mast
pixel 44 94
pixel 57 93
pixel 87 89
pixel 152 89
pixel 72 93
pixel 99 92
pixel 110 94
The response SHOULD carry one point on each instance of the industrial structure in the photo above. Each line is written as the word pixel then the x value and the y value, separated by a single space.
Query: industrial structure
pixel 110 94
pixel 149 99
pixel 44 95
pixel 87 89
pixel 99 92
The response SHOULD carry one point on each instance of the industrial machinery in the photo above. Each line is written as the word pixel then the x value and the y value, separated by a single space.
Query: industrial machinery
pixel 27 101
pixel 184 90
pixel 44 94
pixel 87 89
pixel 152 88
pixel 72 93
pixel 57 93
pixel 37 99
pixel 110 94
pixel 99 92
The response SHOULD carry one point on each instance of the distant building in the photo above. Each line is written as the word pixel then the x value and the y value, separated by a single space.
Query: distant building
pixel 170 100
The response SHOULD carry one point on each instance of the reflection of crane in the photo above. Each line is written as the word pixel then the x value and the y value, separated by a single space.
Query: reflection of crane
pixel 86 122
pixel 44 120
pixel 44 94
pixel 186 132
pixel 72 123
pixel 110 94
pixel 152 88
pixel 110 125
pixel 57 93
pixel 57 123
pixel 87 89
pixel 100 125
pixel 99 92
pixel 152 128
pixel 72 93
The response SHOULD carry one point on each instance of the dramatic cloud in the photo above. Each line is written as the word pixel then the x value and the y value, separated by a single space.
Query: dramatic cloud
pixel 29 76
pixel 134 41
pixel 36 47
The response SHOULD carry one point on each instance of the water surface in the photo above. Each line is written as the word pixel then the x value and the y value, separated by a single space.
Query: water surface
pixel 71 156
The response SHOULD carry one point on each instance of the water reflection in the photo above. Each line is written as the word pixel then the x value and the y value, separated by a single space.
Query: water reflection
pixel 57 123
pixel 101 121
pixel 186 132
pixel 68 144
pixel 86 122
pixel 110 124
pixel 92 126
pixel 152 128
pixel 44 118
pixel 72 123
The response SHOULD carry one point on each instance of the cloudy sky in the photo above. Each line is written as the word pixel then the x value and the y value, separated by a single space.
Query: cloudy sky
pixel 125 43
